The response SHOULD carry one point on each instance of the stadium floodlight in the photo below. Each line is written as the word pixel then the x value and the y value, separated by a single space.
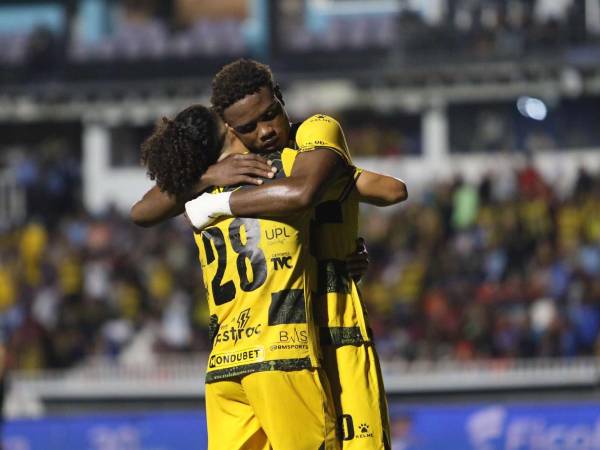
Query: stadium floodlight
pixel 531 107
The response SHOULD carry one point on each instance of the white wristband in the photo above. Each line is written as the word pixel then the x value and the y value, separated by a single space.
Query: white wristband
pixel 207 207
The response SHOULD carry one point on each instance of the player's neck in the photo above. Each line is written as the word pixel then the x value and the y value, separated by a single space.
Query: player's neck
pixel 233 146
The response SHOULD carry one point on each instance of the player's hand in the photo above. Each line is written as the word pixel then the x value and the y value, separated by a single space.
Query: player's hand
pixel 357 263
pixel 239 169
pixel 206 208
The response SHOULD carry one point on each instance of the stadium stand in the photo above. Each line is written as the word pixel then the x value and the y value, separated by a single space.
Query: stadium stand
pixel 483 290
pixel 505 269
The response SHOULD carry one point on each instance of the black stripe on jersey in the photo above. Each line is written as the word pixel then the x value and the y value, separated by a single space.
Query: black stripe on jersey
pixel 287 306
pixel 328 212
pixel 348 189
pixel 265 366
pixel 213 327
pixel 333 277
pixel 341 336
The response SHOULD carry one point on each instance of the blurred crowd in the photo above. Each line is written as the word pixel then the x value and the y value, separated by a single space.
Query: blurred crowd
pixel 503 269
pixel 127 30
pixel 100 286
pixel 150 31
pixel 473 29
pixel 501 28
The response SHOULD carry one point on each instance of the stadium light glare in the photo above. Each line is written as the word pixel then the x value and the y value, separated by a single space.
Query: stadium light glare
pixel 532 108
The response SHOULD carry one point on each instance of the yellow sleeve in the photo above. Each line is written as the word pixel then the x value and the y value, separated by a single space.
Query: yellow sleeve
pixel 288 157
pixel 357 172
pixel 321 131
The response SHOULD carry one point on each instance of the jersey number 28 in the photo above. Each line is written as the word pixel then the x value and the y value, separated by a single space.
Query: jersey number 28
pixel 249 250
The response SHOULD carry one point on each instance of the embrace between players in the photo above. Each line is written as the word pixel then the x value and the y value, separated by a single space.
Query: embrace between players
pixel 293 365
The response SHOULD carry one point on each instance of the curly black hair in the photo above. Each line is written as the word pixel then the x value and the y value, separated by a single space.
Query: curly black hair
pixel 239 79
pixel 180 150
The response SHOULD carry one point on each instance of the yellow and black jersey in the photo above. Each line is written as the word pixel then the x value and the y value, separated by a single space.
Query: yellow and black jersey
pixel 321 131
pixel 349 359
pixel 257 274
pixel 340 310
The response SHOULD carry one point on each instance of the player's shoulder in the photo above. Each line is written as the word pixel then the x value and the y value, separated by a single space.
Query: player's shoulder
pixel 322 131
pixel 319 130
pixel 318 120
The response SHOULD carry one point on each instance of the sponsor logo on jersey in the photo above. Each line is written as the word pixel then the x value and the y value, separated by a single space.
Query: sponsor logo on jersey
pixel 282 262
pixel 277 233
pixel 363 431
pixel 243 318
pixel 348 432
pixel 313 144
pixel 238 330
pixel 230 359
pixel 291 339
pixel 321 118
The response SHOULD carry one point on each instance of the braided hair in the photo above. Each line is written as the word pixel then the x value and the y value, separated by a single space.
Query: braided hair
pixel 180 150
pixel 239 79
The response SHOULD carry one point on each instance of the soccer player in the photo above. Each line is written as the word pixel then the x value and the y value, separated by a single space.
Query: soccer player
pixel 322 176
pixel 180 165
pixel 341 339
pixel 265 388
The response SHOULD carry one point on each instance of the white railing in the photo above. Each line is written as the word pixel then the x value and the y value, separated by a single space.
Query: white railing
pixel 127 185
pixel 401 377
pixel 183 378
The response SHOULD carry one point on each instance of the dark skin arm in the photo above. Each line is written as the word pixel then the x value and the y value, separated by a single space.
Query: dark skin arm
pixel 380 190
pixel 303 187
pixel 154 207
pixel 157 206
pixel 310 174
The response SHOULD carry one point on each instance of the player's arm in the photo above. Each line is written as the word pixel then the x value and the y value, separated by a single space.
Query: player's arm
pixel 157 206
pixel 154 207
pixel 310 175
pixel 323 155
pixel 380 190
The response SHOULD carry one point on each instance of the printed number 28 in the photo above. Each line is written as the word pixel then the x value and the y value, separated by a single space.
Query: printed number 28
pixel 224 293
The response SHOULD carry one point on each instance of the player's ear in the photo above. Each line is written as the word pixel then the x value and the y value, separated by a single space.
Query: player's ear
pixel 278 94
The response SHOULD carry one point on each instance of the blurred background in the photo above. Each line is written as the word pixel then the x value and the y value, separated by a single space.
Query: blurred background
pixel 484 287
